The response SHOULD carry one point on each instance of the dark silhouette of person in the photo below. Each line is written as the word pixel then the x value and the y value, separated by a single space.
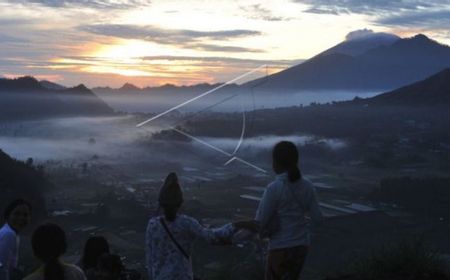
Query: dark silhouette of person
pixel 94 247
pixel 108 267
pixel 282 214
pixel 17 216
pixel 169 237
pixel 49 244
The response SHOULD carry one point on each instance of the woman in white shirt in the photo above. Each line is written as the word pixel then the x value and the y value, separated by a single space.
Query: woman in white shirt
pixel 17 216
pixel 282 214
pixel 169 237
pixel 49 244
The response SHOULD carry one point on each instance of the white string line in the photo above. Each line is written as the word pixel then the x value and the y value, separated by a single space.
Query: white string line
pixel 219 150
pixel 199 96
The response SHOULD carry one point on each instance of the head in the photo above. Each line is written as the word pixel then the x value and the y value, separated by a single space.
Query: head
pixel 95 247
pixel 285 159
pixel 18 214
pixel 49 244
pixel 109 267
pixel 171 196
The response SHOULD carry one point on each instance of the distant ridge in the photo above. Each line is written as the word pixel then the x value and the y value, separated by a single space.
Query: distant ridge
pixel 433 91
pixel 26 97
pixel 128 86
pixel 384 67
pixel 50 85
pixel 20 84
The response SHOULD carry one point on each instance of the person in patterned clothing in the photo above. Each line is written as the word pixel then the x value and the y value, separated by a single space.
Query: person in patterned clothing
pixel 169 237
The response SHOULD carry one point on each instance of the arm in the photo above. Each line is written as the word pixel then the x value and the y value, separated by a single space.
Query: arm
pixel 220 236
pixel 314 208
pixel 7 252
pixel 148 251
pixel 267 207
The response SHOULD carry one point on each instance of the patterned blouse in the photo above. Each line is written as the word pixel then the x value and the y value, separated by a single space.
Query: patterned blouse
pixel 164 259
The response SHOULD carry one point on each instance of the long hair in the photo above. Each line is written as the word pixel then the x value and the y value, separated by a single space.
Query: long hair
pixel 95 247
pixel 285 155
pixel 49 243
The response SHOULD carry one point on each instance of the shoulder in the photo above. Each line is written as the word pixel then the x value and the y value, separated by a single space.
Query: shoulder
pixel 185 219
pixel 74 271
pixel 7 234
pixel 37 275
pixel 307 184
pixel 274 186
pixel 153 221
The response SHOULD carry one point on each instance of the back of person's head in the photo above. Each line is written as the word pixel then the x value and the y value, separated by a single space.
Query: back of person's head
pixel 285 159
pixel 95 247
pixel 18 213
pixel 109 267
pixel 49 243
pixel 171 196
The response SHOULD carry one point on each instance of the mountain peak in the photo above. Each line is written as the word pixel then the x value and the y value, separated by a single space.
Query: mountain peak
pixel 129 86
pixel 360 41
pixel 28 83
pixel 80 87
pixel 422 37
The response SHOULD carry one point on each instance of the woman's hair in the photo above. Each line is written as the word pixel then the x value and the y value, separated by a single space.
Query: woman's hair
pixel 13 205
pixel 170 211
pixel 110 263
pixel 49 243
pixel 95 247
pixel 171 196
pixel 285 155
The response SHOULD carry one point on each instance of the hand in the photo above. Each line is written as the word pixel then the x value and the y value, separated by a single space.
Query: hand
pixel 250 225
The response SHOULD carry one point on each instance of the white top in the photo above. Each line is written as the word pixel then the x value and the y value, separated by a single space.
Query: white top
pixel 164 259
pixel 9 250
pixel 71 272
pixel 290 203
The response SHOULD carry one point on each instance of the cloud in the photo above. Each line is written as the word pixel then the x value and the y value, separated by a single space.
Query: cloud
pixel 368 6
pixel 183 38
pixel 257 11
pixel 358 34
pixel 221 48
pixel 162 35
pixel 424 19
pixel 9 39
pixel 222 59
pixel 96 4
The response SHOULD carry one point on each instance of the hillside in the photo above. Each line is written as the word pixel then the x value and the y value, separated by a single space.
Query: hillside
pixel 22 180
pixel 433 91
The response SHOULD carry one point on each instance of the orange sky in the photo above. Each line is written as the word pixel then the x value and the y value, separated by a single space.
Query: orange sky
pixel 147 43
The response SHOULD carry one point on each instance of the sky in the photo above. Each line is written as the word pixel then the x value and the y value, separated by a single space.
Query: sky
pixel 184 42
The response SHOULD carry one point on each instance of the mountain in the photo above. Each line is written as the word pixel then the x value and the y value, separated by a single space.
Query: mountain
pixel 129 87
pixel 26 97
pixel 433 91
pixel 163 89
pixel 384 67
pixel 357 45
pixel 50 85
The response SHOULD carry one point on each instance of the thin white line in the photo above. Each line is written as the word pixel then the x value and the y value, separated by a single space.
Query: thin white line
pixel 242 134
pixel 199 96
pixel 219 150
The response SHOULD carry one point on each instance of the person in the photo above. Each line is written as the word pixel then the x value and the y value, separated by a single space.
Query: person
pixel 282 214
pixel 17 216
pixel 94 247
pixel 169 237
pixel 108 267
pixel 49 244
